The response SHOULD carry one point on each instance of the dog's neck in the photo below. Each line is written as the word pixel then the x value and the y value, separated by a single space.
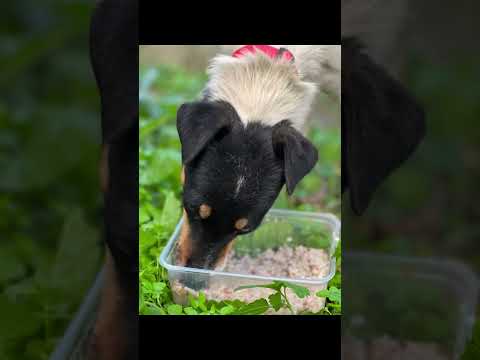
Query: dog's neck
pixel 261 88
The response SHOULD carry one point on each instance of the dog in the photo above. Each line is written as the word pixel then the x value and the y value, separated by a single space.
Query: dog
pixel 243 140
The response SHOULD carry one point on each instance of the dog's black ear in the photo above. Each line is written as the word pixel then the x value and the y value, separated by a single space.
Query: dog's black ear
pixel 199 122
pixel 298 154
pixel 382 125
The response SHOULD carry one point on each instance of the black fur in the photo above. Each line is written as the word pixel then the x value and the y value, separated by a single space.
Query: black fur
pixel 114 58
pixel 217 150
pixel 198 123
pixel 299 155
pixel 382 124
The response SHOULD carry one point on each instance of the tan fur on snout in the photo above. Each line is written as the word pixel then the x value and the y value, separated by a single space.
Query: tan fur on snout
pixel 184 249
pixel 222 257
pixel 241 223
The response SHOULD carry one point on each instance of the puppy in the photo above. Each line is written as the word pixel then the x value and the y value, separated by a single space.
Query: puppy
pixel 243 140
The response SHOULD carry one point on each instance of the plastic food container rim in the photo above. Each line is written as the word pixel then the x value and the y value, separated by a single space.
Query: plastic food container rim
pixel 327 218
pixel 435 269
pixel 429 268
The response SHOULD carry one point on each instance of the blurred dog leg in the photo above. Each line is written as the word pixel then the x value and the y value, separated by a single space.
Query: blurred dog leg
pixel 106 342
pixel 108 339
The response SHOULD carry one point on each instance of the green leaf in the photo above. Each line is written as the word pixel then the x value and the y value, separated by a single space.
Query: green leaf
pixel 199 303
pixel 158 287
pixel 276 285
pixel 201 298
pixel 257 307
pixel 171 212
pixel 300 291
pixel 193 301
pixel 333 294
pixel 202 307
pixel 174 309
pixel 147 238
pixel 143 215
pixel 276 300
pixel 190 311
pixel 153 310
pixel 227 310
pixel 235 303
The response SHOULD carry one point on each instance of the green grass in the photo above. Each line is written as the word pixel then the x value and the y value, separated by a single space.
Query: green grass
pixel 49 193
pixel 162 90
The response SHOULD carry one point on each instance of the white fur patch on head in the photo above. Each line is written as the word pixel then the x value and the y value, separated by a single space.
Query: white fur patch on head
pixel 261 88
pixel 240 182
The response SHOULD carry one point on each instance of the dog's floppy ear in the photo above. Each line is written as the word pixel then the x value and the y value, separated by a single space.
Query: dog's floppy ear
pixel 298 154
pixel 381 125
pixel 199 122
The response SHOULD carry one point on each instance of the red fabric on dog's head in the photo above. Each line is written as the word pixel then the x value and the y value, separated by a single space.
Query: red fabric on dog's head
pixel 266 49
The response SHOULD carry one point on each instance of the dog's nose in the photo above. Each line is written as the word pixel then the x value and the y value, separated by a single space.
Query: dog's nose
pixel 194 281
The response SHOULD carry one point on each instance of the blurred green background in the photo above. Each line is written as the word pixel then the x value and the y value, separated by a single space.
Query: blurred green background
pixel 50 203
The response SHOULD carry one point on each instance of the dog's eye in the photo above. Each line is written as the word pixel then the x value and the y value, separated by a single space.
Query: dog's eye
pixel 241 224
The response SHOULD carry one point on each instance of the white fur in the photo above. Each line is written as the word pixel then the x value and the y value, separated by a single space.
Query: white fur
pixel 240 182
pixel 321 64
pixel 272 90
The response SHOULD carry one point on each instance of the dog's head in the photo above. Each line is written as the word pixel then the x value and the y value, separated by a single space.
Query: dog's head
pixel 232 172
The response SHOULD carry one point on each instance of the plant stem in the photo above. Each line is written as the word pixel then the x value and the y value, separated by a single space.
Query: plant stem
pixel 286 300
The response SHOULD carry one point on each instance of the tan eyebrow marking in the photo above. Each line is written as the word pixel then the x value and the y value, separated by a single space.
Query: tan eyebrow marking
pixel 241 223
pixel 205 211
pixel 182 175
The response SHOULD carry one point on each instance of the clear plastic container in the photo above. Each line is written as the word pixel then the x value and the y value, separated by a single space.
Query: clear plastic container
pixel 409 300
pixel 279 227
pixel 72 346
